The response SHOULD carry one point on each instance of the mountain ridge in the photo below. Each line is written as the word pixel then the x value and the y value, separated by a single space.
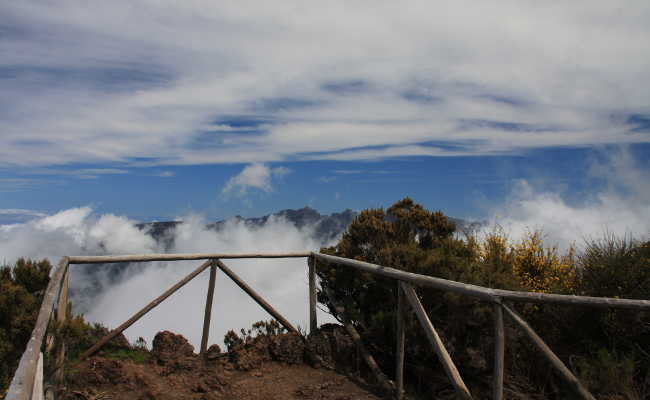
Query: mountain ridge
pixel 326 227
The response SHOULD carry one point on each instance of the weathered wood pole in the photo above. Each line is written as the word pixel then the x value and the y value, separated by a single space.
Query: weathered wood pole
pixel 313 322
pixel 144 311
pixel 401 340
pixel 361 348
pixel 61 318
pixel 410 277
pixel 177 257
pixel 37 390
pixel 499 352
pixel 208 309
pixel 487 294
pixel 436 342
pixel 23 381
pixel 244 286
pixel 548 353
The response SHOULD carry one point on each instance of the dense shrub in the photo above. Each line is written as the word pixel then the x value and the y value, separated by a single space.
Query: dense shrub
pixel 21 292
pixel 606 348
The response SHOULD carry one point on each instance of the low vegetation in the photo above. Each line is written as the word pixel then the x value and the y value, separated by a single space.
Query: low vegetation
pixel 21 291
pixel 607 349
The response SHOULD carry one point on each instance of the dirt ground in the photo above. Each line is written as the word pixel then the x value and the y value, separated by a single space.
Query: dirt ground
pixel 269 369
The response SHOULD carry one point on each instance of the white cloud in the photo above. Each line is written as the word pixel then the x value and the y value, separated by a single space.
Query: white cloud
pixel 621 208
pixel 108 296
pixel 254 176
pixel 156 84
pixel 20 211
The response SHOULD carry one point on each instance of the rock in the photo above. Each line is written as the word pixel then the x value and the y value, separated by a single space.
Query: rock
pixel 288 348
pixel 213 352
pixel 167 344
pixel 173 352
pixel 333 347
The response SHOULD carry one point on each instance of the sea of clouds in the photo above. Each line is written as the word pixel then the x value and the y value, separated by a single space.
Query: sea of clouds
pixel 111 298
pixel 619 206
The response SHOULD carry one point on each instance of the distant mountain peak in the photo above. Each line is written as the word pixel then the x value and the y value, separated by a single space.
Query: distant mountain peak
pixel 326 227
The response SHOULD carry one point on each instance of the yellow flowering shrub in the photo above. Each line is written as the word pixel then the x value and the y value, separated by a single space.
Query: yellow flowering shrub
pixel 533 266
pixel 542 269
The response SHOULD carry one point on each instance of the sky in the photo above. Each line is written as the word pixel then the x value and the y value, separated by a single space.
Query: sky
pixel 525 114
pixel 155 109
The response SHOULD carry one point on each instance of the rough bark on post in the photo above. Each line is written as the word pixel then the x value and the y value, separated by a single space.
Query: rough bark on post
pixel 436 342
pixel 361 348
pixel 208 309
pixel 37 390
pixel 401 339
pixel 244 286
pixel 61 317
pixel 144 311
pixel 548 353
pixel 177 257
pixel 313 322
pixel 487 294
pixel 499 352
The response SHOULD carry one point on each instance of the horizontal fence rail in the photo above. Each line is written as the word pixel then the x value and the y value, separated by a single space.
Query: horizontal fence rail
pixel 178 257
pixel 493 295
pixel 28 377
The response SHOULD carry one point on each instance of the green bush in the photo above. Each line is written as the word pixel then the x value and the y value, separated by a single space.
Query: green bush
pixel 608 348
pixel 21 292
pixel 258 329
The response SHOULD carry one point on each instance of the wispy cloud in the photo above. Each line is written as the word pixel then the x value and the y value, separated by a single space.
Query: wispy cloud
pixel 16 184
pixel 254 176
pixel 20 211
pixel 81 173
pixel 103 85
pixel 165 174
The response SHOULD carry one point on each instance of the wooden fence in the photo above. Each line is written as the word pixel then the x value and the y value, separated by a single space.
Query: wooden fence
pixel 27 383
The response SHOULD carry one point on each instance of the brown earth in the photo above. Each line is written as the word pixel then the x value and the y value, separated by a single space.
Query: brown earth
pixel 266 368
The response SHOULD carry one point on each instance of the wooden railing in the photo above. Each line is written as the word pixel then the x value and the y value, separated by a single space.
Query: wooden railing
pixel 27 383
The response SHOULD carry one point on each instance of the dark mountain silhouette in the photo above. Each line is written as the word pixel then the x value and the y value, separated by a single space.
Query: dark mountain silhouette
pixel 326 227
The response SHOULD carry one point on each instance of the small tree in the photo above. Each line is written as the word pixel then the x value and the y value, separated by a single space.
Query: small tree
pixel 410 238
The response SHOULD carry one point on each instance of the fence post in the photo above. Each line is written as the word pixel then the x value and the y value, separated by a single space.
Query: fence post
pixel 548 353
pixel 61 318
pixel 401 339
pixel 37 389
pixel 499 352
pixel 22 383
pixel 208 310
pixel 361 348
pixel 436 342
pixel 313 322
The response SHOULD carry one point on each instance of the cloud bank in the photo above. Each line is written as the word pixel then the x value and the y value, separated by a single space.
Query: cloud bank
pixel 110 295
pixel 194 82
pixel 621 206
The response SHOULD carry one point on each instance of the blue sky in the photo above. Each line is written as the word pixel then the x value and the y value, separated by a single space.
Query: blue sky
pixel 154 110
